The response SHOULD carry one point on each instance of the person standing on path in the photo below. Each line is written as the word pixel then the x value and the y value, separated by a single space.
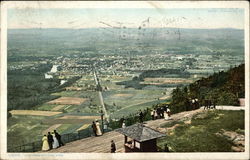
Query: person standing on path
pixel 153 114
pixel 122 120
pixel 166 117
pixel 113 147
pixel 168 112
pixel 94 128
pixel 50 140
pixel 98 129
pixel 123 124
pixel 45 146
pixel 158 113
pixel 162 112
pixel 58 137
pixel 55 141
pixel 141 116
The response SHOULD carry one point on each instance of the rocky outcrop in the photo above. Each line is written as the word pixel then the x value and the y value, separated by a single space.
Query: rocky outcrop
pixel 237 139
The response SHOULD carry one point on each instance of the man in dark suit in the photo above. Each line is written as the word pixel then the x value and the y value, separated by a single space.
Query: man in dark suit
pixel 113 148
pixel 94 128
pixel 50 140
pixel 58 137
pixel 141 116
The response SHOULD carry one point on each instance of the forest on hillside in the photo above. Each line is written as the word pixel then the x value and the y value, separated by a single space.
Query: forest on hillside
pixel 222 88
pixel 28 87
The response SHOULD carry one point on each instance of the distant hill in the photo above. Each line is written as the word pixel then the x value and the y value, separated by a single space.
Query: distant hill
pixel 223 88
pixel 27 42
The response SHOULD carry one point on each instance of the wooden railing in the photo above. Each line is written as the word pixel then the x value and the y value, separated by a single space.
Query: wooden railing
pixel 66 138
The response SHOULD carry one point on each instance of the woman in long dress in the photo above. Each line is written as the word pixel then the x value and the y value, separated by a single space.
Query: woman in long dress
pixel 123 125
pixel 155 114
pixel 45 146
pixel 98 129
pixel 55 141
pixel 168 112
pixel 166 117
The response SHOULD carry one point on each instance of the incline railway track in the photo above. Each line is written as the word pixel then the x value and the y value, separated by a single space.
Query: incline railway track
pixel 98 85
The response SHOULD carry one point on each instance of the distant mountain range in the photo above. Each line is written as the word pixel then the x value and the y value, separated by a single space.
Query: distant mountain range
pixel 175 40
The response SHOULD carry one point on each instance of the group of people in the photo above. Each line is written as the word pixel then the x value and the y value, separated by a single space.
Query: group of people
pixel 51 141
pixel 209 104
pixel 156 113
pixel 193 104
pixel 161 112
pixel 96 128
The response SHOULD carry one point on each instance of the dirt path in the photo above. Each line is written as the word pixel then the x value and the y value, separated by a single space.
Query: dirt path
pixel 230 107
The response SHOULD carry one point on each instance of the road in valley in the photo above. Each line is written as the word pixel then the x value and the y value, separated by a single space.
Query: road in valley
pixel 98 85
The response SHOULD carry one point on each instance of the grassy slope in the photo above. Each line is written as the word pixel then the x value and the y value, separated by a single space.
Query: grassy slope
pixel 199 136
pixel 24 129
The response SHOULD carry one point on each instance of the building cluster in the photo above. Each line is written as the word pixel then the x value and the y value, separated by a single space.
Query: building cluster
pixel 128 64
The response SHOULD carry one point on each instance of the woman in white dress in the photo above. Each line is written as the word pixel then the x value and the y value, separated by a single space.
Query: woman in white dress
pixel 155 114
pixel 45 146
pixel 123 125
pixel 168 112
pixel 98 129
pixel 166 117
pixel 55 141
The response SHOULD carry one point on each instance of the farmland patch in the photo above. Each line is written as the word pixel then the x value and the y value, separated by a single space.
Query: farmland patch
pixel 66 121
pixel 58 107
pixel 83 127
pixel 51 128
pixel 68 100
pixel 160 81
pixel 79 117
pixel 122 95
pixel 34 113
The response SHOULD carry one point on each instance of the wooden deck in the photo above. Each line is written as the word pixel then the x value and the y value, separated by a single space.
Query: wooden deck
pixel 102 143
pixel 99 144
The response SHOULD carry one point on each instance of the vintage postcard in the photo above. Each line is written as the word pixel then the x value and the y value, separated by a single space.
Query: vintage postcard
pixel 125 80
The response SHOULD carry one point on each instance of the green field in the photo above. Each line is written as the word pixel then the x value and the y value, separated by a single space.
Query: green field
pixel 68 128
pixel 202 134
pixel 45 107
pixel 25 129
pixel 124 102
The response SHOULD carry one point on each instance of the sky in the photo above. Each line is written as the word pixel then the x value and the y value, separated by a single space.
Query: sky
pixel 127 17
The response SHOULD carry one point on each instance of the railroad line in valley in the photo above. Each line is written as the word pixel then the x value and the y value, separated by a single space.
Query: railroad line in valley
pixel 98 85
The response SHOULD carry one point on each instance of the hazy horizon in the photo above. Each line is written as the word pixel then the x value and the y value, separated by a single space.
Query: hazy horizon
pixel 126 28
pixel 199 18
